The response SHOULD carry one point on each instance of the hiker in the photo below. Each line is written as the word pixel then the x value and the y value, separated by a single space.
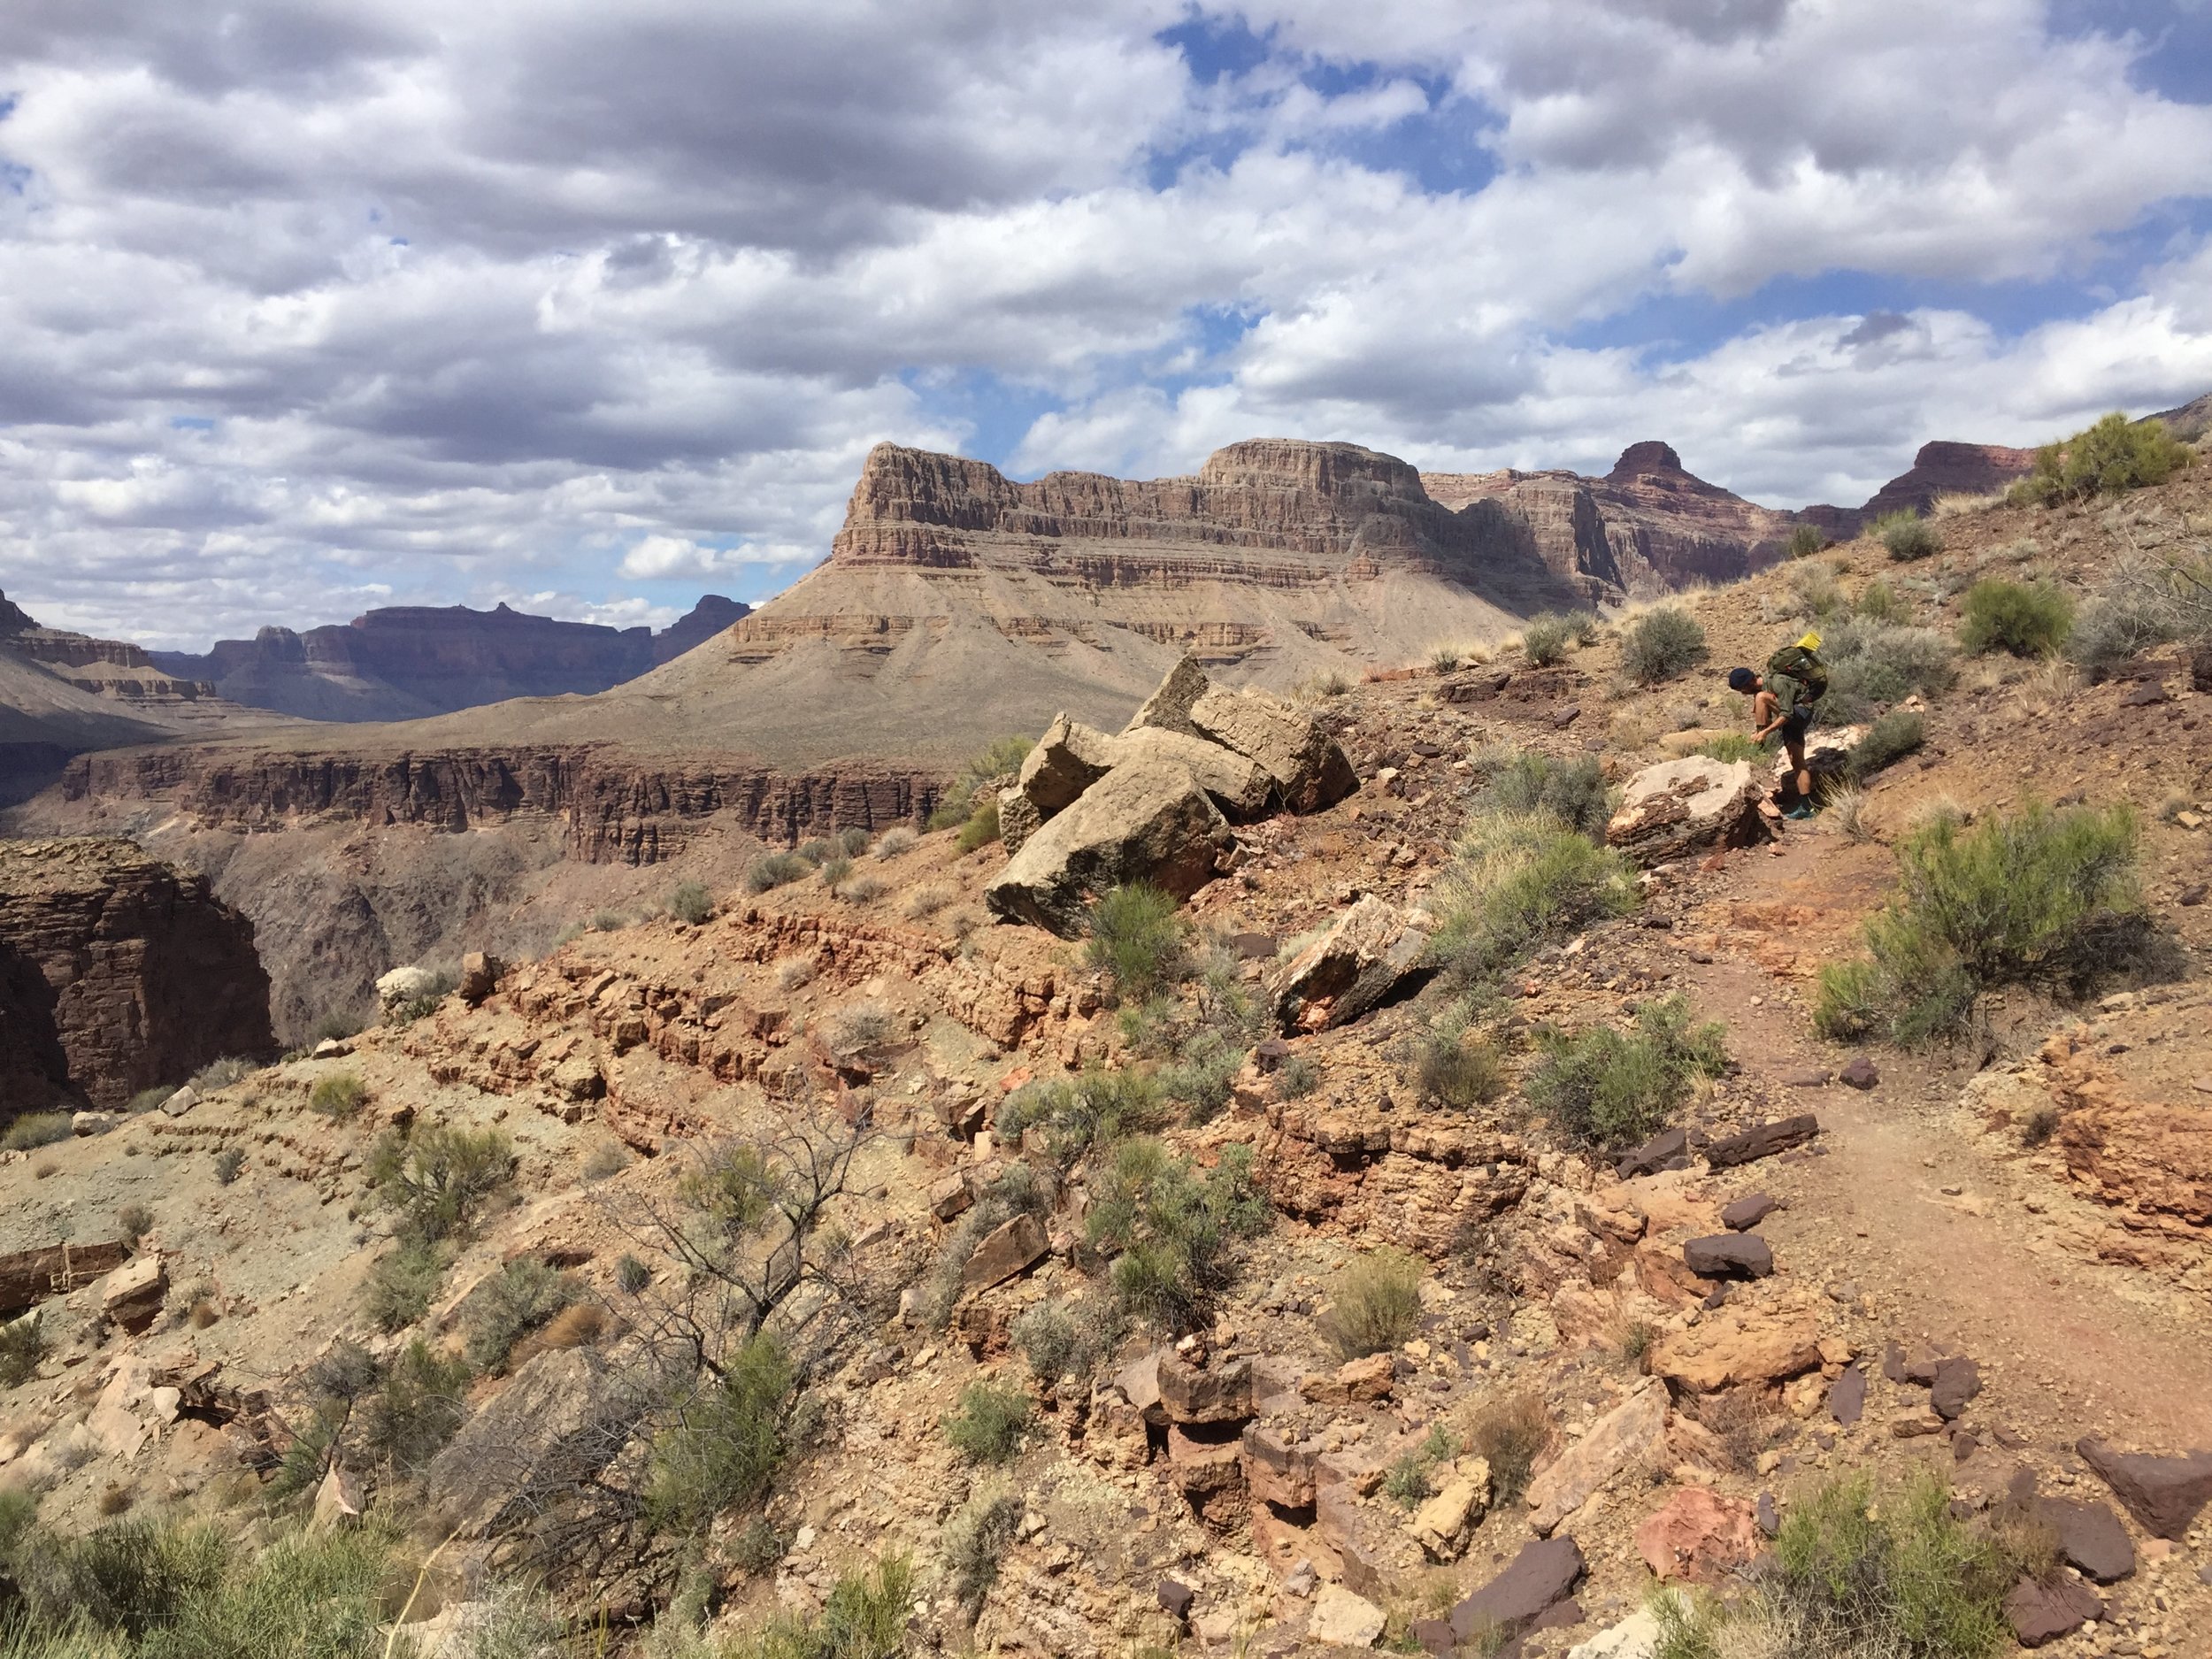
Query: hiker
pixel 1782 700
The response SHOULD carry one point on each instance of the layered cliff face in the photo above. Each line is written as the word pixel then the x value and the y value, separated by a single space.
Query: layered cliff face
pixel 1947 469
pixel 406 662
pixel 1646 525
pixel 117 973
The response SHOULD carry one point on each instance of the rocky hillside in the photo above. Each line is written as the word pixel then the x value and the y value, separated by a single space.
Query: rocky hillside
pixel 1081 1335
pixel 117 973
pixel 404 662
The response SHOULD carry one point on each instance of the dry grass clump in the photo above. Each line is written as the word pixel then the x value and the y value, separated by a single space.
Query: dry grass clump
pixel 899 839
pixel 925 901
pixel 794 972
pixel 1374 1303
pixel 1510 1432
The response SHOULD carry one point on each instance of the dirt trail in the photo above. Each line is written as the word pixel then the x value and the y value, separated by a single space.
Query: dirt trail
pixel 2067 1346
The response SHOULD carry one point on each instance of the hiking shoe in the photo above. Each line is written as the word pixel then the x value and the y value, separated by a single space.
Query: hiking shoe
pixel 1798 812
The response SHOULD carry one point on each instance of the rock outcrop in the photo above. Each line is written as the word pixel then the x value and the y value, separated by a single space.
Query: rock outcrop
pixel 1679 807
pixel 117 973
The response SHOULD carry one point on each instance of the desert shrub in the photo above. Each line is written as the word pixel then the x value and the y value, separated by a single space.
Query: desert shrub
pixel 1374 1303
pixel 861 890
pixel 1318 687
pixel 1732 747
pixel 517 1300
pixel 2023 619
pixel 1662 644
pixel 1297 1079
pixel 996 763
pixel 1803 540
pixel 609 921
pixel 813 850
pixel 1907 536
pixel 1173 1233
pixel 1879 602
pixel 35 1129
pixel 859 1028
pixel 1544 640
pixel 981 827
pixel 1608 1088
pixel 1871 665
pixel 2146 599
pixel 1019 1189
pixel 836 871
pixel 1457 1069
pixel 2109 457
pixel 1814 592
pixel 133 1221
pixel 1203 1078
pixel 438 1177
pixel 691 902
pixel 852 841
pixel 723 1446
pixel 608 1158
pixel 228 1164
pixel 1096 1107
pixel 775 871
pixel 2039 898
pixel 2039 1126
pixel 416 1408
pixel 1847 810
pixel 1053 1342
pixel 222 1073
pixel 1407 1482
pixel 1135 937
pixel 864 1618
pixel 147 1099
pixel 1445 658
pixel 1887 741
pixel 338 1094
pixel 1511 1432
pixel 631 1276
pixel 990 1423
pixel 794 971
pixel 335 1027
pixel 927 902
pixel 1519 880
pixel 974 1539
pixel 402 1282
pixel 1571 791
pixel 22 1345
pixel 898 839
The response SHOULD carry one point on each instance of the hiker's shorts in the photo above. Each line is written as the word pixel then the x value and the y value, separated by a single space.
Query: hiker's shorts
pixel 1796 721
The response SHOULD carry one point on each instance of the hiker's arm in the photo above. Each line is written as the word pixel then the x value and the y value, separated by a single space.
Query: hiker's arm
pixel 1768 707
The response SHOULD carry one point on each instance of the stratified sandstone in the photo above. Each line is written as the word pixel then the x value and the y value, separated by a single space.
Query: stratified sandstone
pixel 117 973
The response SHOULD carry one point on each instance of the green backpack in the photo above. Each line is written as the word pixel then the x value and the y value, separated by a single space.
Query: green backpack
pixel 1802 665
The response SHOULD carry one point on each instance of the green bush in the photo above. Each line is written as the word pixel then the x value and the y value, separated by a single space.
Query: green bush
pixel 724 1446
pixel 2108 458
pixel 402 1282
pixel 2025 619
pixel 340 1096
pixel 147 1099
pixel 990 1423
pixel 133 1221
pixel 1171 1232
pixel 1136 938
pixel 1544 640
pixel 1406 1481
pixel 1204 1079
pixel 517 1300
pixel 1872 665
pixel 1815 592
pixel 2039 898
pixel 1457 1070
pixel 1053 1342
pixel 438 1177
pixel 1888 740
pixel 998 762
pixel 35 1129
pixel 1571 791
pixel 1907 536
pixel 1374 1303
pixel 416 1407
pixel 852 841
pixel 222 1073
pixel 775 871
pixel 691 902
pixel 229 1163
pixel 1879 602
pixel 1518 880
pixel 1609 1089
pixel 864 1617
pixel 22 1345
pixel 1662 644
pixel 1298 1078
pixel 1095 1107
pixel 981 827
pixel 813 851
pixel 1732 747
pixel 1804 540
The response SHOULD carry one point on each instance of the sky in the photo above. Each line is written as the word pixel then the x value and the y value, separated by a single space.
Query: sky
pixel 308 307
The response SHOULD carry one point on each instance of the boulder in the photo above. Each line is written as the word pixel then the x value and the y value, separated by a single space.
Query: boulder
pixel 1698 1535
pixel 1018 818
pixel 1369 952
pixel 1168 708
pixel 402 986
pixel 1635 1637
pixel 1859 1073
pixel 1341 1620
pixel 1669 1149
pixel 132 1295
pixel 2165 1494
pixel 556 1423
pixel 480 973
pixel 1543 1575
pixel 1277 1471
pixel 1442 1525
pixel 1309 768
pixel 181 1101
pixel 87 1124
pixel 1191 1393
pixel 1355 1382
pixel 1827 752
pixel 1239 786
pixel 1738 1346
pixel 1633 1431
pixel 1847 1401
pixel 1957 1380
pixel 1146 821
pixel 1679 807
pixel 1006 1250
pixel 1729 1256
pixel 1761 1140
pixel 1068 759
pixel 2090 1538
pixel 2040 1613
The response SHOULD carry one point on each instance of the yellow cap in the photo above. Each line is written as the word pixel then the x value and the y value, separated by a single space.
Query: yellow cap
pixel 1810 642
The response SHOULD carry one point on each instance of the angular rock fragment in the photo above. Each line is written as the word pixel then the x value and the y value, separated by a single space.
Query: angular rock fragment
pixel 1761 1140
pixel 1342 1619
pixel 1746 1213
pixel 1738 1346
pixel 132 1295
pixel 1956 1381
pixel 1371 952
pixel 1220 1393
pixel 1308 766
pixel 1146 821
pixel 1442 1525
pixel 1670 1149
pixel 1543 1575
pixel 2090 1538
pixel 1632 1431
pixel 1698 1535
pixel 1847 1401
pixel 1679 807
pixel 1010 1248
pixel 1729 1256
pixel 2165 1494
pixel 2040 1613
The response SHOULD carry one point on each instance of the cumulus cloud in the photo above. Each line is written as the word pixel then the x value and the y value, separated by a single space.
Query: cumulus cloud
pixel 369 301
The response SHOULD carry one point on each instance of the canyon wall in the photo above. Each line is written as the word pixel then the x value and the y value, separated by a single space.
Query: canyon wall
pixel 117 973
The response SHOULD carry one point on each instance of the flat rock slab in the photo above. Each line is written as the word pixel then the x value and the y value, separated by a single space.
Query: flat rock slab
pixel 1699 1536
pixel 1956 1381
pixel 2165 1494
pixel 2041 1613
pixel 1009 1249
pixel 1847 1401
pixel 1541 1576
pixel 1762 1141
pixel 1633 1429
pixel 1729 1256
pixel 1668 1150
pixel 2090 1538
pixel 1746 1213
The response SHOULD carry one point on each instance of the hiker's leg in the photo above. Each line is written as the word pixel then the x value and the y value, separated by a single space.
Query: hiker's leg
pixel 1793 740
